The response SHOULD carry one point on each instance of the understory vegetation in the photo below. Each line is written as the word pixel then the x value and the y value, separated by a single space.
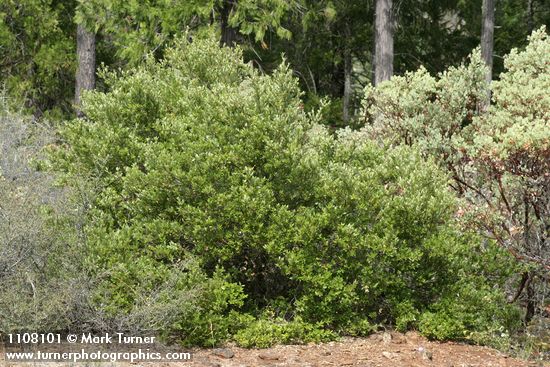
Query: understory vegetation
pixel 197 198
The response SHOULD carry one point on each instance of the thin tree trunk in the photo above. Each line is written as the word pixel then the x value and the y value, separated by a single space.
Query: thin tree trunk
pixel 85 74
pixel 530 16
pixel 373 58
pixel 383 58
pixel 347 84
pixel 487 35
pixel 229 33
pixel 530 306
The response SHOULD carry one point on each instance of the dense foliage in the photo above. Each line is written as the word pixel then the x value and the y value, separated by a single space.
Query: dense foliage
pixel 37 62
pixel 498 160
pixel 222 182
pixel 38 39
pixel 200 156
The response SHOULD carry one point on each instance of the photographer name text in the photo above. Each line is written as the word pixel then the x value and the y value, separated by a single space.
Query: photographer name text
pixel 119 338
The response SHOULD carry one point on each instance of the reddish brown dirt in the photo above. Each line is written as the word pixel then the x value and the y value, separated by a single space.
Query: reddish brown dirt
pixel 378 350
pixel 375 351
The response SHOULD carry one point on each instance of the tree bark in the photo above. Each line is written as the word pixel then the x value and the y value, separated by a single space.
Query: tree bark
pixel 383 38
pixel 85 74
pixel 347 85
pixel 229 33
pixel 530 301
pixel 530 17
pixel 487 36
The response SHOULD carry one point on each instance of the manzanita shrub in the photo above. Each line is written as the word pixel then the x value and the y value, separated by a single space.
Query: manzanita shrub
pixel 201 156
pixel 498 159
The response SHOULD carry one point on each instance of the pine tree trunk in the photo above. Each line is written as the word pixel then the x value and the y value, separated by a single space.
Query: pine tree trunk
pixel 85 74
pixel 229 34
pixel 487 33
pixel 383 58
pixel 530 16
pixel 347 85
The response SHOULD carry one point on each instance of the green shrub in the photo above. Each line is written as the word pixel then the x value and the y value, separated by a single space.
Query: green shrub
pixel 373 236
pixel 200 156
pixel 265 333
pixel 207 317
pixel 498 159
pixel 451 316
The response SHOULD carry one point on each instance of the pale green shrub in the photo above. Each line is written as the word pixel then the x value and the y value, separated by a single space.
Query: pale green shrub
pixel 498 160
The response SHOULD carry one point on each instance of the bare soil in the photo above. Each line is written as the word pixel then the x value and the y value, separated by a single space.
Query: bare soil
pixel 378 350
